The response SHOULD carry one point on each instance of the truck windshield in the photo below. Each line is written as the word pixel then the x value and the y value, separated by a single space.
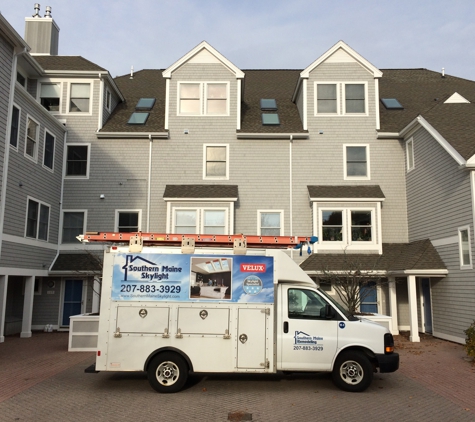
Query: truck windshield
pixel 338 306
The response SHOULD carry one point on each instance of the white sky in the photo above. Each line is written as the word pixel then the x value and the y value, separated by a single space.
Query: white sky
pixel 261 34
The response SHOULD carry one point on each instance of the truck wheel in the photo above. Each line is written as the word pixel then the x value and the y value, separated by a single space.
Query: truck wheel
pixel 167 373
pixel 352 371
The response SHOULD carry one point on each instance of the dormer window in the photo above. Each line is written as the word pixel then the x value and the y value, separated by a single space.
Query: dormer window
pixel 203 99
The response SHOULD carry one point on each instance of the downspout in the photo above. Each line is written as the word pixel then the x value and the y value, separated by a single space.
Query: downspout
pixel 149 187
pixel 6 157
pixel 101 102
pixel 63 175
pixel 291 192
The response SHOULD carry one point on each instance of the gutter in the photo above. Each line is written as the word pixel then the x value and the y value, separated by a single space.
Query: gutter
pixel 134 135
pixel 272 136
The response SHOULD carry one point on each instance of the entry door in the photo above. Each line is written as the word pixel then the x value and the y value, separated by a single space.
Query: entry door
pixel 251 338
pixel 72 304
pixel 307 341
pixel 425 284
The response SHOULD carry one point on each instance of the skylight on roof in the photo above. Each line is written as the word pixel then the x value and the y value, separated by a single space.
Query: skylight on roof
pixel 270 119
pixel 268 104
pixel 138 118
pixel 145 104
pixel 391 103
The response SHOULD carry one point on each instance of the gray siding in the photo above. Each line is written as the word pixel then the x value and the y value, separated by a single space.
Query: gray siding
pixel 439 201
pixel 17 255
pixel 46 306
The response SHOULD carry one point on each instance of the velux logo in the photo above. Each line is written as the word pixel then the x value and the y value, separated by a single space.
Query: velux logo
pixel 253 268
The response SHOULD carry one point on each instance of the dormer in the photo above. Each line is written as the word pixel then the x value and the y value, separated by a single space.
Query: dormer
pixel 340 83
pixel 203 84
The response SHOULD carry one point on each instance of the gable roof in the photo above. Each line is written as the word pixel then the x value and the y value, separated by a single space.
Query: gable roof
pixel 346 192
pixel 212 52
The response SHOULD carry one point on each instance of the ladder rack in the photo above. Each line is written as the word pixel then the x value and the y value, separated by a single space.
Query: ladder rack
pixel 164 239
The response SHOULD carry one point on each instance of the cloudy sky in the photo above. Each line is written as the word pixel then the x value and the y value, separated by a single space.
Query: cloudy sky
pixel 262 34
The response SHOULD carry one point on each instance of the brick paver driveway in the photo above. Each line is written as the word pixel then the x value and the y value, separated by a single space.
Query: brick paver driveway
pixel 41 381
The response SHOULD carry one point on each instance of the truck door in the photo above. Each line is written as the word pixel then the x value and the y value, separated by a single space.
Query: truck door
pixel 306 340
pixel 251 339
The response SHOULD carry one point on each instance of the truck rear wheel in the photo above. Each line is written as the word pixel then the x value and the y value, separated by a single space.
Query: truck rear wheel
pixel 167 372
pixel 352 371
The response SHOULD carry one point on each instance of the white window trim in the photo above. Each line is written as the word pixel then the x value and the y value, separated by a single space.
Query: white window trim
pixel 343 89
pixel 203 86
pixel 346 241
pixel 44 151
pixel 199 217
pixel 51 81
pixel 116 219
pixel 281 212
pixel 68 100
pixel 38 130
pixel 205 177
pixel 338 98
pixel 368 167
pixel 73 177
pixel 84 223
pixel 28 198
pixel 462 265
pixel 19 127
pixel 410 152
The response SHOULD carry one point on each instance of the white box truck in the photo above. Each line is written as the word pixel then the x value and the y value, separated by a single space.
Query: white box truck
pixel 216 310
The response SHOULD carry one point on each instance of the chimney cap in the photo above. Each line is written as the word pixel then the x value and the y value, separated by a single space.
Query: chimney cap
pixel 48 12
pixel 37 10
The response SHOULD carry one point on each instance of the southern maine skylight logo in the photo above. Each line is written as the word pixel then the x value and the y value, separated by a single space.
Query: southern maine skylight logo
pixel 143 269
pixel 252 285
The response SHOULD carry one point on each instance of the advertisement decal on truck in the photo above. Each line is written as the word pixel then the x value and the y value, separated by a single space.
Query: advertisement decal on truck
pixel 192 278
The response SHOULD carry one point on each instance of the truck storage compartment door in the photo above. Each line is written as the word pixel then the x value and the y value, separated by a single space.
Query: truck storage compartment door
pixel 203 321
pixel 251 338
pixel 142 319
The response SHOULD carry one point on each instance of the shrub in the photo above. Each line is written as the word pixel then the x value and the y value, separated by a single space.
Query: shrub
pixel 470 340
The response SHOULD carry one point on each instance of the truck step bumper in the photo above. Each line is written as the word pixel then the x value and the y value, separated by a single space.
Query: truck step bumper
pixel 388 363
pixel 91 369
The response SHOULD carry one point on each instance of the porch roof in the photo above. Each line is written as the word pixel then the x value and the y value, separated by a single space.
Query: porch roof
pixel 396 258
pixel 79 262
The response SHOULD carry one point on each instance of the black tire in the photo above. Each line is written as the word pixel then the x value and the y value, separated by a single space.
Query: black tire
pixel 167 372
pixel 352 371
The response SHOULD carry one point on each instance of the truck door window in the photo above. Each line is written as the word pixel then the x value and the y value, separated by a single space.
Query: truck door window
pixel 305 304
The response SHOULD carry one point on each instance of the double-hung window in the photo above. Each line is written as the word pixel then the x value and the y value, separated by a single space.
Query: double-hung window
pixel 37 220
pixel 215 164
pixel 355 98
pixel 327 98
pixel 356 162
pixel 128 221
pixel 31 144
pixel 270 222
pixel 465 248
pixel 77 159
pixel 48 151
pixel 79 97
pixel 73 225
pixel 200 221
pixel 15 127
pixel 50 95
pixel 203 98
pixel 332 226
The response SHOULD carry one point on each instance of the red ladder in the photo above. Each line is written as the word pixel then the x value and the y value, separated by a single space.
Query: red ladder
pixel 164 239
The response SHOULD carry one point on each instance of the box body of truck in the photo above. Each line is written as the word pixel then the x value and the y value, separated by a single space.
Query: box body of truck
pixel 170 313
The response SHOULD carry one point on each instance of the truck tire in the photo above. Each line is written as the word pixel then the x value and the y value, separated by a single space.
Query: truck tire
pixel 167 372
pixel 352 371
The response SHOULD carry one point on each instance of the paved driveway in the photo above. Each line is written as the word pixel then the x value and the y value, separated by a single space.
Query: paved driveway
pixel 40 381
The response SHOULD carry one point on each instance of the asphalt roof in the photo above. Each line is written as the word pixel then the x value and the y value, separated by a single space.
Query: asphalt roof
pixel 60 63
pixel 78 262
pixel 201 191
pixel 419 255
pixel 345 191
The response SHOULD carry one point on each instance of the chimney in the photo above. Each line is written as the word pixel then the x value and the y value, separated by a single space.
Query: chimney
pixel 42 34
